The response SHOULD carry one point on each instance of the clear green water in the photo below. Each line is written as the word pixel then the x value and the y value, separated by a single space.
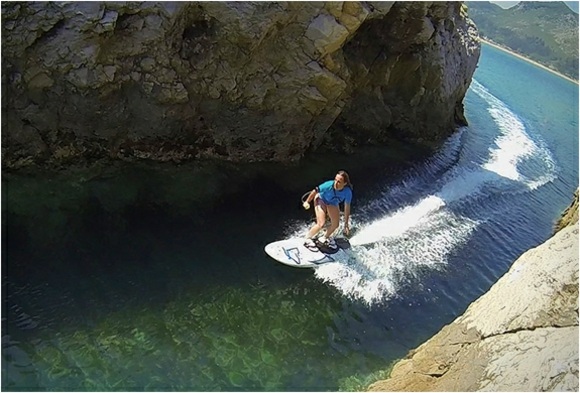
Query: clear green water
pixel 251 339
pixel 136 282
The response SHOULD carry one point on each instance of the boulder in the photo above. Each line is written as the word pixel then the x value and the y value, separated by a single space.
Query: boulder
pixel 241 81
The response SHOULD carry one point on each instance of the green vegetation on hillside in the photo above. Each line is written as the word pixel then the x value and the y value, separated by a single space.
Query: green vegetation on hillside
pixel 546 32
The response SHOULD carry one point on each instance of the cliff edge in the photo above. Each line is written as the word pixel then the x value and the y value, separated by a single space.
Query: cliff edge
pixel 239 81
pixel 522 335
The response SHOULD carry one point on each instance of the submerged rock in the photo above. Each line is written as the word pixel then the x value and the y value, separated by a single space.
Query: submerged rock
pixel 243 81
pixel 522 335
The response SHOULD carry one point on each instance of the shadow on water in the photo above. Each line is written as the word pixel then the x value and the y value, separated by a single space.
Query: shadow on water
pixel 154 277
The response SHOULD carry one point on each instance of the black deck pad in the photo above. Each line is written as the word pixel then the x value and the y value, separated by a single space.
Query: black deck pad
pixel 341 242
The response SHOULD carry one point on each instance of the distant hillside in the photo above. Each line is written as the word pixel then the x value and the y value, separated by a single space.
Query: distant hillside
pixel 546 32
pixel 509 4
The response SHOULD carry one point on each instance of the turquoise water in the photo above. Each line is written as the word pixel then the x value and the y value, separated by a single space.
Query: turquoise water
pixel 129 282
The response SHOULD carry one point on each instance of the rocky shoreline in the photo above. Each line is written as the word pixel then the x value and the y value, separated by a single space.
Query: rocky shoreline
pixel 522 335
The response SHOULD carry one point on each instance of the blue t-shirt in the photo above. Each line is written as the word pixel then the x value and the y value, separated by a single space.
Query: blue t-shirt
pixel 330 196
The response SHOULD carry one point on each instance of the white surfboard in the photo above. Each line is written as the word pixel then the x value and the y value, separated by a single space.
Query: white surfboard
pixel 292 252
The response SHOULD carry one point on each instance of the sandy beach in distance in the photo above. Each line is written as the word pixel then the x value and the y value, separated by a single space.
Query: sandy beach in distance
pixel 526 59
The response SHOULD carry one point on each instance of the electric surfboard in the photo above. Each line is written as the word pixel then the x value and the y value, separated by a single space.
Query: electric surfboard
pixel 293 252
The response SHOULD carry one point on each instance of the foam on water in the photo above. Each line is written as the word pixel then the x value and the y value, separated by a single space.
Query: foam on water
pixel 375 271
pixel 404 238
pixel 514 145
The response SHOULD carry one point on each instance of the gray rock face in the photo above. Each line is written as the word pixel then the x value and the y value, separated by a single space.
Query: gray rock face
pixel 522 335
pixel 235 80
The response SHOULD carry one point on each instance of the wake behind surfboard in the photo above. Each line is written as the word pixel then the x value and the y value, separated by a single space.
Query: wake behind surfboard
pixel 292 252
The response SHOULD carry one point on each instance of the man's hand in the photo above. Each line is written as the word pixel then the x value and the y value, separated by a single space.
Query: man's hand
pixel 306 205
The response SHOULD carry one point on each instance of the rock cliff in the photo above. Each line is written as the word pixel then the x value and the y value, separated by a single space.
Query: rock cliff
pixel 241 81
pixel 522 335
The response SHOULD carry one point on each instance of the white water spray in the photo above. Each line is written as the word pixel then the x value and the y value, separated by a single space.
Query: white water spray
pixel 424 233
